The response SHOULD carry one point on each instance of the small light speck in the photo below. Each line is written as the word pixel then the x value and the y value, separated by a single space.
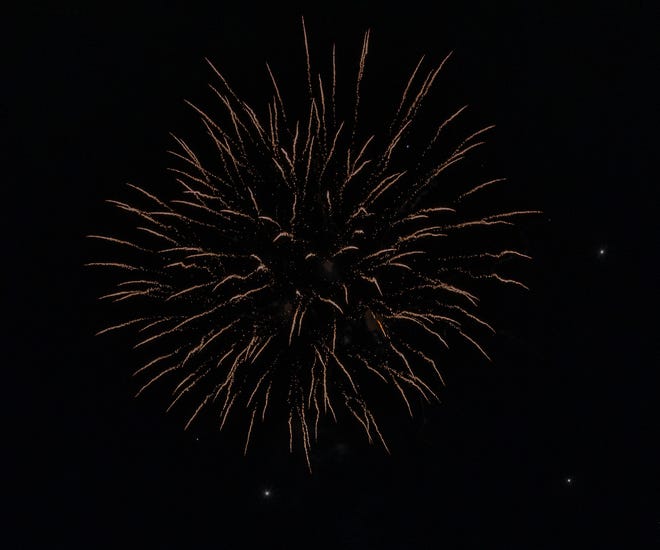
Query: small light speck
pixel 601 252
pixel 267 493
pixel 569 481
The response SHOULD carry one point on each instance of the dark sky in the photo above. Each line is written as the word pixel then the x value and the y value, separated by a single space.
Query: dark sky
pixel 551 446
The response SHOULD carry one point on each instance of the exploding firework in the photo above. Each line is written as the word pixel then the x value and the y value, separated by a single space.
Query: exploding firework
pixel 304 262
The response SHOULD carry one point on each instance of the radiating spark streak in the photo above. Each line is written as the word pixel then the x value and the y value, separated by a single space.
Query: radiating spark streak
pixel 475 344
pixel 230 212
pixel 423 91
pixel 249 433
pixel 401 265
pixel 300 319
pixel 136 211
pixel 269 219
pixel 294 210
pixel 323 119
pixel 180 217
pixel 510 214
pixel 406 254
pixel 467 314
pixel 403 358
pixel 403 393
pixel 423 214
pixel 479 188
pixel 345 249
pixel 201 197
pixel 416 321
pixel 244 295
pixel 395 141
pixel 113 264
pixel 256 387
pixel 372 369
pixel 185 380
pixel 326 399
pixel 122 325
pixel 379 253
pixel 194 415
pixel 312 384
pixel 506 281
pixel 252 346
pixel 261 349
pixel 305 433
pixel 332 303
pixel 154 361
pixel 411 380
pixel 358 158
pixel 374 281
pixel 187 290
pixel 415 380
pixel 149 195
pixel 196 205
pixel 380 435
pixel 382 328
pixel 428 360
pixel 263 411
pixel 504 253
pixel 235 277
pixel 363 58
pixel 494 255
pixel 155 378
pixel 331 152
pixel 344 370
pixel 187 388
pixel 155 323
pixel 118 241
pixel 478 223
pixel 226 410
pixel 407 88
pixel 283 235
pixel 442 126
pixel 460 149
pixel 184 266
pixel 156 234
pixel 309 68
pixel 383 186
pixel 438 285
pixel 125 294
pixel 293 322
pixel 187 175
pixel 217 335
pixel 352 168
pixel 360 211
pixel 427 229
pixel 180 249
pixel 316 418
pixel 176 327
pixel 437 209
pixel 277 91
pixel 365 425
pixel 420 235
pixel 150 282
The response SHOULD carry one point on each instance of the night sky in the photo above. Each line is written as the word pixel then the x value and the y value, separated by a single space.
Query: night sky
pixel 552 445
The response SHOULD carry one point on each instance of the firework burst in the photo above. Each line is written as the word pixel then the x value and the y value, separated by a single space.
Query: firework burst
pixel 298 265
